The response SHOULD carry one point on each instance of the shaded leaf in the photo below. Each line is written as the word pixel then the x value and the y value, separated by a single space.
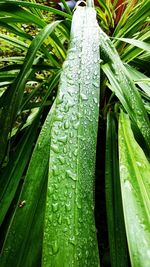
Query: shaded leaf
pixel 13 172
pixel 115 220
pixel 135 187
pixel 22 222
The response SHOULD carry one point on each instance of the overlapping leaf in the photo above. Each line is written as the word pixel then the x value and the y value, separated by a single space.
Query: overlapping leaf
pixel 20 231
pixel 115 220
pixel 124 87
pixel 12 100
pixel 12 174
pixel 135 187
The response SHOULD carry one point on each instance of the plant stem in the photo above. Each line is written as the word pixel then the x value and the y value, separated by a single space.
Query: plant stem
pixel 90 3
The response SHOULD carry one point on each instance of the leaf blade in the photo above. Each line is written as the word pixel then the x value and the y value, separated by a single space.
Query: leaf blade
pixel 135 185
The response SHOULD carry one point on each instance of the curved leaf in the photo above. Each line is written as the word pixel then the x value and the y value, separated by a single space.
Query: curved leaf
pixel 135 187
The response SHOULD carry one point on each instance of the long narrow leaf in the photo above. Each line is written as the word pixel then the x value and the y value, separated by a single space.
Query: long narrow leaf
pixel 124 87
pixel 12 174
pixel 14 41
pixel 131 25
pixel 13 100
pixel 33 248
pixel 135 187
pixel 142 45
pixel 115 220
pixel 16 30
pixel 19 12
pixel 36 6
pixel 72 153
pixel 139 78
pixel 21 226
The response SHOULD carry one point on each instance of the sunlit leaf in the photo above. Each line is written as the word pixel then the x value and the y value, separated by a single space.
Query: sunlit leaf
pixel 13 100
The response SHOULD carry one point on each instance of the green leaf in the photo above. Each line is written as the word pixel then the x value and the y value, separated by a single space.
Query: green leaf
pixel 13 172
pixel 139 78
pixel 115 220
pixel 133 23
pixel 13 99
pixel 106 8
pixel 124 87
pixel 33 249
pixel 66 7
pixel 142 45
pixel 15 30
pixel 135 187
pixel 36 6
pixel 69 232
pixel 14 249
pixel 14 41
pixel 20 13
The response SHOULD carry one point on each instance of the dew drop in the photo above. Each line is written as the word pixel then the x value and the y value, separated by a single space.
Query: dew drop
pixel 71 134
pixel 68 206
pixel 60 220
pixel 55 148
pixel 86 82
pixel 70 81
pixel 55 207
pixel 56 171
pixel 50 190
pixel 55 247
pixel 76 125
pixel 73 186
pixel 79 205
pixel 62 139
pixel 50 218
pixel 59 99
pixel 84 97
pixel 58 118
pixel 65 150
pixel 72 240
pixel 66 125
pixel 96 84
pixel 71 175
pixel 95 100
pixel 68 221
pixel 61 159
pixel 75 152
pixel 55 197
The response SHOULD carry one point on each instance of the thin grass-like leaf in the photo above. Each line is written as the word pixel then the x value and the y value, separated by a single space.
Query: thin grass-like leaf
pixel 139 78
pixel 12 59
pixel 124 87
pixel 14 41
pixel 135 187
pixel 66 7
pixel 142 45
pixel 127 26
pixel 18 12
pixel 13 100
pixel 36 6
pixel 15 30
pixel 106 8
